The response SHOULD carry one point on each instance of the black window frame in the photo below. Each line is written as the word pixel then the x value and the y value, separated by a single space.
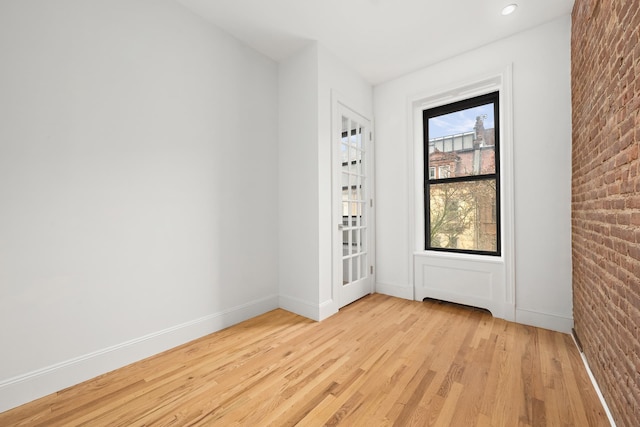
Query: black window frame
pixel 493 97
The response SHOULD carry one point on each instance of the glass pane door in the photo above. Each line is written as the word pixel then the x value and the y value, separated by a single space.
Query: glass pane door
pixel 354 201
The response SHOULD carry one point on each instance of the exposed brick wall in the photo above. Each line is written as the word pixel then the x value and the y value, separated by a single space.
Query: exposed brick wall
pixel 605 46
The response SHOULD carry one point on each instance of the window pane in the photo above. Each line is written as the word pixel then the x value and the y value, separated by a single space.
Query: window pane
pixel 355 242
pixel 346 271
pixel 462 215
pixel 462 143
pixel 345 213
pixel 345 243
pixel 355 269
pixel 344 154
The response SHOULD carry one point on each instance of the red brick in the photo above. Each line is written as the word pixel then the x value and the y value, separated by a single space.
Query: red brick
pixel 605 88
pixel 624 218
pixel 633 202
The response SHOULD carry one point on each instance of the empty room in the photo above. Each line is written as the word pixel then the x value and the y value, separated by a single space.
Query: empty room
pixel 319 212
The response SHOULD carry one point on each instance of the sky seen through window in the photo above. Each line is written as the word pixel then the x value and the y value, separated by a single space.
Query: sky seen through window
pixel 460 121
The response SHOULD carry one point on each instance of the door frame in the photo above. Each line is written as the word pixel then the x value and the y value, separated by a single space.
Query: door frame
pixel 337 106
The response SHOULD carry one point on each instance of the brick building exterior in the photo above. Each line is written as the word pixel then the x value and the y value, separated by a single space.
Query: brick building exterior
pixel 605 78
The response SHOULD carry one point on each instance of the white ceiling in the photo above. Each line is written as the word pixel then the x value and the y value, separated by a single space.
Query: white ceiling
pixel 380 39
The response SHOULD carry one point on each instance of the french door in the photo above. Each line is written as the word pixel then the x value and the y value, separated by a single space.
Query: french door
pixel 353 256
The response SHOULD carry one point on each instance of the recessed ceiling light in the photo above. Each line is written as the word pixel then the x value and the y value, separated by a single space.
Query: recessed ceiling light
pixel 509 9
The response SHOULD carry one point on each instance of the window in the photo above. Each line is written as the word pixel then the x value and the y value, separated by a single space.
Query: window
pixel 462 203
pixel 443 171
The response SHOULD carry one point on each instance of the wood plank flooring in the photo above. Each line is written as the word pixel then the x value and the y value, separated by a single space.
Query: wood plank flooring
pixel 381 361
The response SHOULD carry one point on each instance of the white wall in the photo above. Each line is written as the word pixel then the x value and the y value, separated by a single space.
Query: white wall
pixel 307 81
pixel 542 165
pixel 138 186
pixel 298 182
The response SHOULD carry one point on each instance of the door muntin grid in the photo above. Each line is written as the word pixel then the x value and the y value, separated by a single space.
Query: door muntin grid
pixel 354 200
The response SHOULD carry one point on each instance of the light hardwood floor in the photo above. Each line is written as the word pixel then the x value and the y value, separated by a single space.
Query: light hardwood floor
pixel 380 361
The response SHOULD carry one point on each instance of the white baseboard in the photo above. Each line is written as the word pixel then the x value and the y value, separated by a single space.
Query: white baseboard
pixel 594 383
pixel 303 308
pixel 405 292
pixel 327 309
pixel 307 309
pixel 41 382
pixel 554 322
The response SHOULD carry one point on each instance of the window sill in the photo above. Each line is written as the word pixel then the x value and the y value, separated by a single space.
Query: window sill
pixel 490 259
